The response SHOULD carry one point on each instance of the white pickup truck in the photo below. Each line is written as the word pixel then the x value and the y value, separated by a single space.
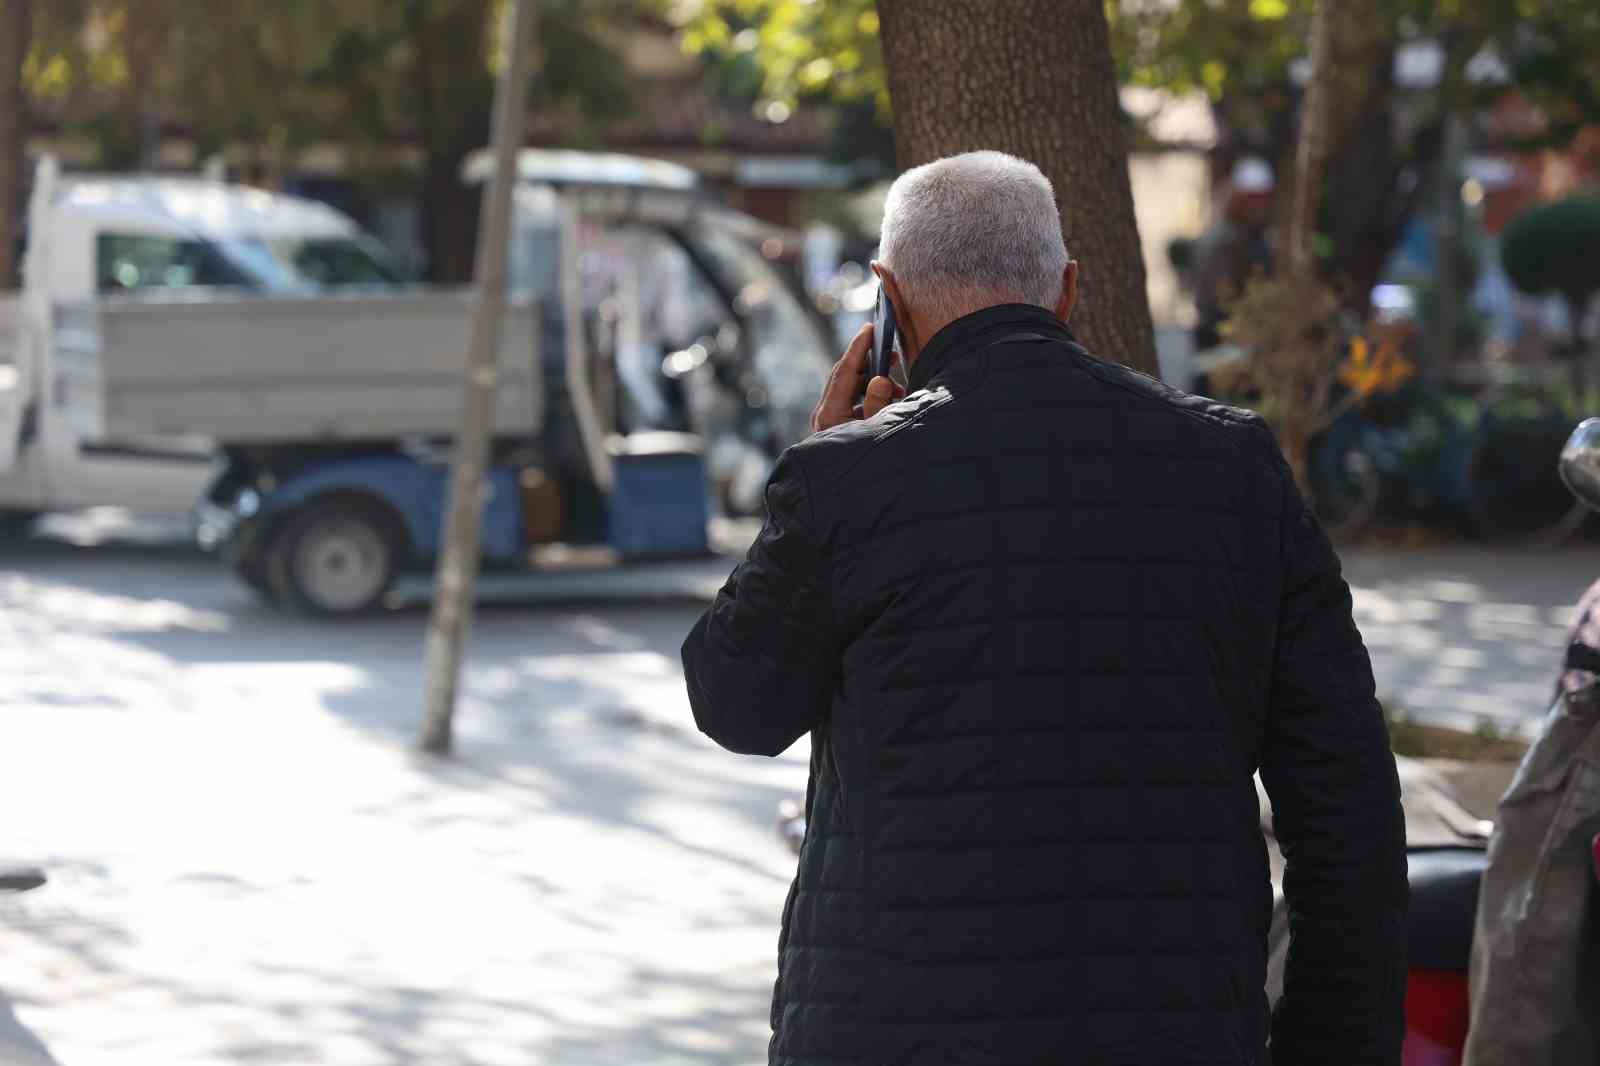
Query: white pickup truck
pixel 653 357
pixel 140 238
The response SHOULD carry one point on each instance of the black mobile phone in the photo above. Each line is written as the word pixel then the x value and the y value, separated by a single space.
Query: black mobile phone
pixel 885 336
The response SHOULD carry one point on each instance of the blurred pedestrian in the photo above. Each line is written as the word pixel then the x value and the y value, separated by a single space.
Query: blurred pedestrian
pixel 1232 249
pixel 1043 618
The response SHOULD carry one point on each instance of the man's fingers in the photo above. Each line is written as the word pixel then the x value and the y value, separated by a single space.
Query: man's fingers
pixel 881 392
pixel 855 356
pixel 844 383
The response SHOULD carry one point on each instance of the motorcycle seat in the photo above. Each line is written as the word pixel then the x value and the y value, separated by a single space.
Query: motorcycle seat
pixel 1444 906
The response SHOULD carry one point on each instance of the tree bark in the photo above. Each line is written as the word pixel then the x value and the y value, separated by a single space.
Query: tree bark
pixel 1346 144
pixel 452 94
pixel 1311 154
pixel 1287 324
pixel 1034 78
pixel 16 30
pixel 450 218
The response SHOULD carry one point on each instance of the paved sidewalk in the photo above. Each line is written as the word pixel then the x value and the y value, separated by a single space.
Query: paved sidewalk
pixel 249 864
pixel 1465 635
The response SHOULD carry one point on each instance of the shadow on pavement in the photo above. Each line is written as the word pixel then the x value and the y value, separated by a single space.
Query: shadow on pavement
pixel 612 866
pixel 18 1045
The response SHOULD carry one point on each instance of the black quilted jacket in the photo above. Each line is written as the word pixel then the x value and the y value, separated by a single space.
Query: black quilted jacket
pixel 1043 620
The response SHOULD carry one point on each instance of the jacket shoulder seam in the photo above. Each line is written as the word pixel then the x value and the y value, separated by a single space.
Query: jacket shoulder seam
pixel 930 403
pixel 1223 417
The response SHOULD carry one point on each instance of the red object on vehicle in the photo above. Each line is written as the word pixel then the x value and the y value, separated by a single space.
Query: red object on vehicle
pixel 1595 847
pixel 1438 1008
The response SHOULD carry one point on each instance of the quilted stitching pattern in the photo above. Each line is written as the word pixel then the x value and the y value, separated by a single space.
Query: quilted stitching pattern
pixel 1053 595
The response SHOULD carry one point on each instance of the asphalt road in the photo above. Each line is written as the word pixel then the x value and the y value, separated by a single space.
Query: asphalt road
pixel 251 865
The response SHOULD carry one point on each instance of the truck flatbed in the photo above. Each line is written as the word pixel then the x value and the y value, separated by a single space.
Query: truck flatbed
pixel 242 368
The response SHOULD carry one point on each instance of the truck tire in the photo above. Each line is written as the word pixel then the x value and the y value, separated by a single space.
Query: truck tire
pixel 334 557
pixel 253 572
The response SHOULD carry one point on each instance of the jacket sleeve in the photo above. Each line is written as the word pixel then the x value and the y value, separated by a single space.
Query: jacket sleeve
pixel 760 664
pixel 1330 774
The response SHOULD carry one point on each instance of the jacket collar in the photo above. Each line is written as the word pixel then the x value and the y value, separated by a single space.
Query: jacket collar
pixel 978 329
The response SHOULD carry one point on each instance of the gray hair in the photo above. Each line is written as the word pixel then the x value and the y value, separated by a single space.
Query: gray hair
pixel 973 230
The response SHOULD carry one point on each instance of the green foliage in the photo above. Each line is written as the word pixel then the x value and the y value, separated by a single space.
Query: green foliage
pixel 1406 737
pixel 244 69
pixel 1485 744
pixel 1552 248
pixel 1554 52
pixel 1223 49
pixel 786 50
pixel 1238 51
pixel 283 73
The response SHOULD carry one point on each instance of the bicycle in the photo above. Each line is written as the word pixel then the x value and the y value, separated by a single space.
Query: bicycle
pixel 1482 459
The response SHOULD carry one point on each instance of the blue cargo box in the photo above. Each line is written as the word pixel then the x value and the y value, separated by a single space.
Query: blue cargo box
pixel 658 504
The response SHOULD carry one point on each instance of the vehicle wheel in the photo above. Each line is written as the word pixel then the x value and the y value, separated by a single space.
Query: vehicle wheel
pixel 16 524
pixel 335 558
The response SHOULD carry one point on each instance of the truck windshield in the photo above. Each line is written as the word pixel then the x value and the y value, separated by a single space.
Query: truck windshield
pixel 127 262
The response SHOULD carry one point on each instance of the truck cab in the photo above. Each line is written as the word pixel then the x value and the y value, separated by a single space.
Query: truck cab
pixel 141 237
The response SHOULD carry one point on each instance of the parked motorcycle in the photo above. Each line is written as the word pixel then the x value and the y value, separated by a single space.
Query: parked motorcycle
pixel 1536 942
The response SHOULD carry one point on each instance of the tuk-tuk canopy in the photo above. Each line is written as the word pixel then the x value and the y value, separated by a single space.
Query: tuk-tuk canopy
pixel 565 167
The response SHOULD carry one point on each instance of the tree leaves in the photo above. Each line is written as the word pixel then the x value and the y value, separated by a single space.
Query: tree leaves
pixel 788 49
pixel 287 73
pixel 796 48
pixel 1551 248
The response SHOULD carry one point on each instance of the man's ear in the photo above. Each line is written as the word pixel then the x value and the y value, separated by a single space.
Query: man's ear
pixel 904 320
pixel 1069 291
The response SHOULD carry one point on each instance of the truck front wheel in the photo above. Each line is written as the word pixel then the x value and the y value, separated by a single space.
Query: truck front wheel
pixel 334 558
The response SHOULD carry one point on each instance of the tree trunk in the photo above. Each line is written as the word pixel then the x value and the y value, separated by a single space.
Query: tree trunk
pixel 1034 78
pixel 452 91
pixel 1311 154
pixel 16 18
pixel 1363 187
pixel 449 219
pixel 1301 366
pixel 1346 142
pixel 1577 308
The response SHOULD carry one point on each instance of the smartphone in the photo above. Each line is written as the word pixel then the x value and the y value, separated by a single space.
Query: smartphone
pixel 885 336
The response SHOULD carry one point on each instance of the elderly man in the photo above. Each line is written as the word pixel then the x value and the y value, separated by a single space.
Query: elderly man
pixel 1043 618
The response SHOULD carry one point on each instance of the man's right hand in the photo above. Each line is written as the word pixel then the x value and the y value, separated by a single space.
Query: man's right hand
pixel 843 398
